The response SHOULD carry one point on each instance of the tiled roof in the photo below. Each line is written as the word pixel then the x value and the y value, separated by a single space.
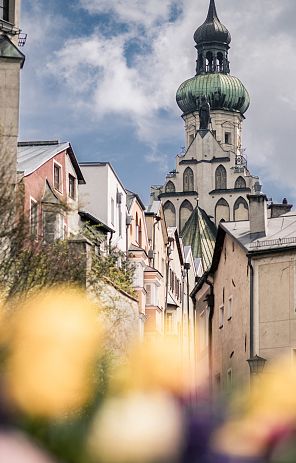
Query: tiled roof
pixel 32 155
pixel 281 233
pixel 199 232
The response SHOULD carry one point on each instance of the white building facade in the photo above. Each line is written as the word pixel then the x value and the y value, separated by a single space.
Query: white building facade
pixel 104 197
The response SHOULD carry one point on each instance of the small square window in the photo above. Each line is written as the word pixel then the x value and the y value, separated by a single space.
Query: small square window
pixel 227 138
pixel 57 177
pixel 72 187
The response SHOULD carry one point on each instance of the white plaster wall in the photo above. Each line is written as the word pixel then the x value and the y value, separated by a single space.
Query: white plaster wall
pixel 114 186
pixel 203 157
pixel 94 194
pixel 95 198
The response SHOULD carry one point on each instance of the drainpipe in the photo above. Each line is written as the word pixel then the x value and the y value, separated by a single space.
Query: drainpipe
pixel 157 219
pixel 187 268
pixel 110 242
pixel 211 302
pixel 251 306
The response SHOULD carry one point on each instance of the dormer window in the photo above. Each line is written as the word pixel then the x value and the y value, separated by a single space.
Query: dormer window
pixel 4 10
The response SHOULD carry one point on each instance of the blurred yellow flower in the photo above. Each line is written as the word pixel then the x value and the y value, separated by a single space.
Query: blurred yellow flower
pixel 53 347
pixel 137 428
pixel 268 410
pixel 155 365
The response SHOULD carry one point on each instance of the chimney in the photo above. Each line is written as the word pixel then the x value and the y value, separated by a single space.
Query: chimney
pixel 258 213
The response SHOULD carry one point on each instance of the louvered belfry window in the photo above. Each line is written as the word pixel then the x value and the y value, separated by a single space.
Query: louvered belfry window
pixel 4 10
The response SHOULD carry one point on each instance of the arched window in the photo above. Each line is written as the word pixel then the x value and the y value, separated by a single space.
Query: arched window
pixel 170 214
pixel 241 210
pixel 186 210
pixel 209 61
pixel 240 183
pixel 188 180
pixel 222 211
pixel 170 187
pixel 220 67
pixel 221 178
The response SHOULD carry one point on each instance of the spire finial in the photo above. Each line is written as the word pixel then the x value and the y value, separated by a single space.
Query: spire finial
pixel 212 13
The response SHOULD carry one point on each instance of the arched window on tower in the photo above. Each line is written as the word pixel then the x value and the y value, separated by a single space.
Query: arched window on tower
pixel 209 61
pixel 241 210
pixel 222 211
pixel 170 187
pixel 188 180
pixel 220 61
pixel 186 210
pixel 170 214
pixel 240 183
pixel 221 178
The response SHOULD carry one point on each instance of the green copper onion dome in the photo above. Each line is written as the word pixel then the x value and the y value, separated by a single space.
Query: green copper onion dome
pixel 212 30
pixel 213 79
pixel 223 91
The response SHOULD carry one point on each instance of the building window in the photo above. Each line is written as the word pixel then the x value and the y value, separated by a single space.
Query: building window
pixel 169 323
pixel 227 138
pixel 112 211
pixel 170 187
pixel 57 177
pixel 151 294
pixel 229 309
pixel 4 10
pixel 221 178
pixel 34 218
pixel 240 183
pixel 72 186
pixel 221 316
pixel 188 180
pixel 59 229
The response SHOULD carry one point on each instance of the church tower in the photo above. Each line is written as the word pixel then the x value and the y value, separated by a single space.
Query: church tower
pixel 11 61
pixel 211 179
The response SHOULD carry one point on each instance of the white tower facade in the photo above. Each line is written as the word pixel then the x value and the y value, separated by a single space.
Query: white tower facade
pixel 212 172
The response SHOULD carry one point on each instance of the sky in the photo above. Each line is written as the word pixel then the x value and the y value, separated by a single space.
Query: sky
pixel 103 74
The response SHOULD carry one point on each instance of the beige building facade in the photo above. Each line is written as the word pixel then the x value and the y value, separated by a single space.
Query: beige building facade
pixel 245 303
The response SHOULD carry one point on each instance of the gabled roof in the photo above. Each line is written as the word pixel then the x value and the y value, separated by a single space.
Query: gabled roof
pixel 9 51
pixel 33 154
pixel 130 198
pixel 199 232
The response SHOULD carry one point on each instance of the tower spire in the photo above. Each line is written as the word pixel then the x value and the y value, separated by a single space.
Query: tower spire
pixel 212 13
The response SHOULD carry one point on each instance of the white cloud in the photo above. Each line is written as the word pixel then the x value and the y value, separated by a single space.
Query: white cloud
pixel 144 12
pixel 98 79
